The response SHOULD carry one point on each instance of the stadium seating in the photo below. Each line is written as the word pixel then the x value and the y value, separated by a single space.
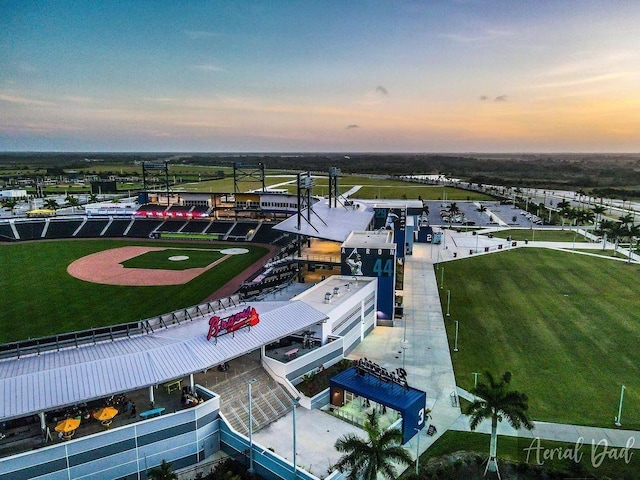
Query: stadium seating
pixel 195 226
pixel 143 228
pixel 6 233
pixel 30 230
pixel 92 228
pixel 117 228
pixel 171 226
pixel 62 228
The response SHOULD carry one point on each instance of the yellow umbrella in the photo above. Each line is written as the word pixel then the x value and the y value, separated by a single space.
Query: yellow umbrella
pixel 106 413
pixel 68 425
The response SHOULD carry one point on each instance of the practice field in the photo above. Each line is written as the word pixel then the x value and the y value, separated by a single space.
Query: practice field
pixel 566 326
pixel 39 298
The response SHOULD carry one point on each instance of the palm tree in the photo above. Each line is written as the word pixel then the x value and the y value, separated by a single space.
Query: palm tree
pixel 162 472
pixel 73 202
pixel 365 458
pixel 494 400
pixel 51 204
pixel 9 204
pixel 598 210
pixel 563 208
pixel 453 210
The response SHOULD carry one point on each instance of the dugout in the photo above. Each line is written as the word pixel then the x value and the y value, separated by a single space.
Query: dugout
pixel 385 388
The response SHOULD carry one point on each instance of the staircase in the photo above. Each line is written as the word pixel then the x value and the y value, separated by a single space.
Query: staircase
pixel 269 400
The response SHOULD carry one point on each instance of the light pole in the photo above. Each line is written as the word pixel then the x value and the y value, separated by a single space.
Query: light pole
pixel 475 380
pixel 448 303
pixel 417 451
pixel 295 466
pixel 455 345
pixel 404 351
pixel 618 422
pixel 251 470
pixel 441 277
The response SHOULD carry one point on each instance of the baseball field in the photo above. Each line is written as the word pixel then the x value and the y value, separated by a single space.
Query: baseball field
pixel 51 287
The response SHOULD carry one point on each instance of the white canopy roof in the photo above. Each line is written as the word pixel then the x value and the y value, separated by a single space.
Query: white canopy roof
pixel 54 379
pixel 330 223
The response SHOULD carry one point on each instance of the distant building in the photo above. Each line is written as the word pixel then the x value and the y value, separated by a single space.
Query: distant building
pixel 13 194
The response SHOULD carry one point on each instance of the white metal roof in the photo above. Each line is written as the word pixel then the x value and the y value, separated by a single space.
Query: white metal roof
pixel 330 223
pixel 50 380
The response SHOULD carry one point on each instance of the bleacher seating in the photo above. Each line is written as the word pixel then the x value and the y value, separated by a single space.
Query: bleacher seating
pixel 30 230
pixel 6 233
pixel 92 228
pixel 220 227
pixel 150 210
pixel 195 226
pixel 266 234
pixel 142 228
pixel 62 228
pixel 200 211
pixel 241 229
pixel 171 226
pixel 117 228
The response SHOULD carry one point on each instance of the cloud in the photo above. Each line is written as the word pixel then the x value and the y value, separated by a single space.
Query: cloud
pixel 487 35
pixel 500 98
pixel 198 34
pixel 382 90
pixel 208 68
pixel 19 100
pixel 484 98
pixel 353 125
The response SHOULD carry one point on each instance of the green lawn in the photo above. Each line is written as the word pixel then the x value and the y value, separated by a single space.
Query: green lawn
pixel 515 449
pixel 39 298
pixel 540 235
pixel 198 258
pixel 566 325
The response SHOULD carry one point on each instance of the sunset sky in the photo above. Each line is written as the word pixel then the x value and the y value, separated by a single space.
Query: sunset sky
pixel 332 76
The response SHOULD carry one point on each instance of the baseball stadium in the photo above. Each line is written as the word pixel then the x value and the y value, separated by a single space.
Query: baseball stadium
pixel 180 328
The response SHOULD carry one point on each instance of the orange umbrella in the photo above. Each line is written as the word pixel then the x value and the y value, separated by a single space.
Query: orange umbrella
pixel 68 425
pixel 106 413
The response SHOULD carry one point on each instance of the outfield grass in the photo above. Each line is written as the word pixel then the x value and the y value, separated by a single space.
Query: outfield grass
pixel 513 448
pixel 543 235
pixel 198 258
pixel 566 325
pixel 39 298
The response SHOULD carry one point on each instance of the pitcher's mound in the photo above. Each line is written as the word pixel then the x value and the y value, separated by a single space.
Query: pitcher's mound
pixel 178 258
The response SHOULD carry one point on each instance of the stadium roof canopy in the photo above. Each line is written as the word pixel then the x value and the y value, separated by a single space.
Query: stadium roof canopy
pixel 51 380
pixel 329 223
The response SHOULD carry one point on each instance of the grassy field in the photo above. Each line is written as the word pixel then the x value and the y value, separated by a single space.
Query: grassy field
pixel 39 298
pixel 566 325
pixel 197 258
pixel 542 235
pixel 512 448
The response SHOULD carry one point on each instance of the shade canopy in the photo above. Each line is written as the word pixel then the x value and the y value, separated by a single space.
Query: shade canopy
pixel 106 413
pixel 68 425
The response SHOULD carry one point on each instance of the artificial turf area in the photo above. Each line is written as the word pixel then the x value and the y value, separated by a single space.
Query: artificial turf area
pixel 39 298
pixel 566 326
